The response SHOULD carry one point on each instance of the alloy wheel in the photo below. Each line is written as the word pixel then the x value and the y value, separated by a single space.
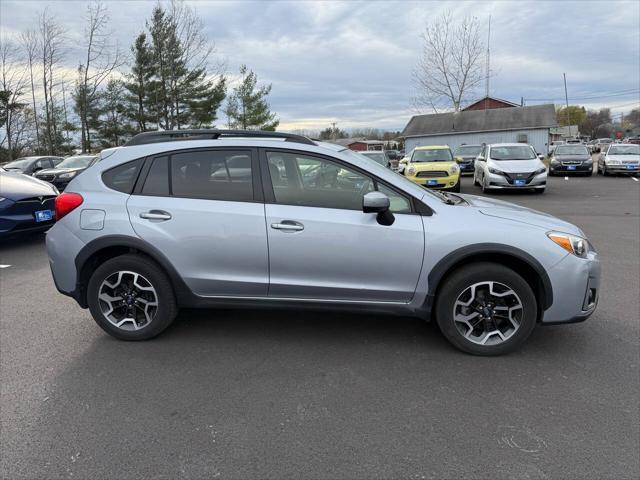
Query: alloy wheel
pixel 488 313
pixel 128 300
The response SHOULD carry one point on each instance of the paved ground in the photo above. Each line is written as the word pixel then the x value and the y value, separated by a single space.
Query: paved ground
pixel 259 394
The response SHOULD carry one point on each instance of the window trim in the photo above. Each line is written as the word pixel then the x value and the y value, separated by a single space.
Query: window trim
pixel 255 173
pixel 269 195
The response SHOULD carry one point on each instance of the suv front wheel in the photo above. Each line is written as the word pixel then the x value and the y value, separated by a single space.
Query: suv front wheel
pixel 486 309
pixel 131 298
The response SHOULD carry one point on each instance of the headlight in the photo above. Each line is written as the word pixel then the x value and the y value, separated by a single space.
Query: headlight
pixel 454 169
pixel 540 170
pixel 571 243
pixel 411 171
pixel 68 175
pixel 611 161
pixel 554 161
pixel 495 171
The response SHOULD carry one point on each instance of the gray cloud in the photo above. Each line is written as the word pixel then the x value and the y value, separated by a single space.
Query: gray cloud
pixel 351 62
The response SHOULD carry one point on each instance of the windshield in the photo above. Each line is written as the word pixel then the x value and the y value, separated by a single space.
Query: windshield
pixel 624 150
pixel 432 155
pixel 19 164
pixel 514 152
pixel 379 157
pixel 76 162
pixel 571 150
pixel 468 151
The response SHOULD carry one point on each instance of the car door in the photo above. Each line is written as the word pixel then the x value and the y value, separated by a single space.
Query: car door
pixel 203 210
pixel 321 244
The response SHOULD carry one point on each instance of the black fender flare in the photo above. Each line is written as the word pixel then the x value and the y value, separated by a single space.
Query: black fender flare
pixel 445 265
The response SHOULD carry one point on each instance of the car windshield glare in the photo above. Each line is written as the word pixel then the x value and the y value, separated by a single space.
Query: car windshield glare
pixel 377 157
pixel 76 162
pixel 515 152
pixel 571 150
pixel 468 151
pixel 624 150
pixel 432 155
pixel 19 163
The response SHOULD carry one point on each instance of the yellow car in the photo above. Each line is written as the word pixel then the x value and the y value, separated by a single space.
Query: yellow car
pixel 433 167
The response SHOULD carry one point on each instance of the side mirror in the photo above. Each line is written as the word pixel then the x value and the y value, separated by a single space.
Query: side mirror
pixel 540 156
pixel 480 159
pixel 405 160
pixel 378 202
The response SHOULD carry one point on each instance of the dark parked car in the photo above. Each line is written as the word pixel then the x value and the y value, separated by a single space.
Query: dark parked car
pixel 31 165
pixel 67 170
pixel 570 158
pixel 26 203
pixel 466 155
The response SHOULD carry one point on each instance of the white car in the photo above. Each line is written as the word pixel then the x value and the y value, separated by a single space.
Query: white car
pixel 620 158
pixel 510 166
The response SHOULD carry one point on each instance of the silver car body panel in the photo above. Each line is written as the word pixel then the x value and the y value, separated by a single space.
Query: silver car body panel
pixel 230 250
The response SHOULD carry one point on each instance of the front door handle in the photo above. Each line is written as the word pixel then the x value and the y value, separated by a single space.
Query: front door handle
pixel 156 215
pixel 288 226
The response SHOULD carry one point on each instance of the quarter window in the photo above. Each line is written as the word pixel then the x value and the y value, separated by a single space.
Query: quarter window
pixel 123 177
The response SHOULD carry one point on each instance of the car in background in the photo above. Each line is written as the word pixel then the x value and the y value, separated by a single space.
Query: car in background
pixel 26 203
pixel 466 155
pixel 31 165
pixel 554 144
pixel 634 140
pixel 394 158
pixel 591 145
pixel 510 166
pixel 377 156
pixel 67 170
pixel 433 167
pixel 602 144
pixel 620 158
pixel 571 158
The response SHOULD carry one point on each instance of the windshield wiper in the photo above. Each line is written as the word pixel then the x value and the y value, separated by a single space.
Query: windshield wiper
pixel 442 197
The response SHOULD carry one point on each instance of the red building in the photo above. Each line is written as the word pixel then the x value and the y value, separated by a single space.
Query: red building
pixel 490 103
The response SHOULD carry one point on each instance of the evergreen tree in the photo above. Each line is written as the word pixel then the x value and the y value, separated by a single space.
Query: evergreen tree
pixel 113 126
pixel 138 84
pixel 247 107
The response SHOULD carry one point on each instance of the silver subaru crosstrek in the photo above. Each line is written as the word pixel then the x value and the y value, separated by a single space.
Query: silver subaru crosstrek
pixel 204 218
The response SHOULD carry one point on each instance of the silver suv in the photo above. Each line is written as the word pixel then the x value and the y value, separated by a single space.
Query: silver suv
pixel 209 218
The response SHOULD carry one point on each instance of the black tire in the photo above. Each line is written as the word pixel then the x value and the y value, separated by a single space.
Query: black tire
pixel 166 309
pixel 539 191
pixel 456 187
pixel 461 279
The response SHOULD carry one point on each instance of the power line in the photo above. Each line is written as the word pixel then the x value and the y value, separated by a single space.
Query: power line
pixel 619 94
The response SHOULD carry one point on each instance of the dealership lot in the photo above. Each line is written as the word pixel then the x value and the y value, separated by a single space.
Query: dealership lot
pixel 296 394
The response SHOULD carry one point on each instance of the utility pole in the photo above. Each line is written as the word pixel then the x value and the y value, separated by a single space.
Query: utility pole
pixel 488 66
pixel 66 120
pixel 333 130
pixel 566 98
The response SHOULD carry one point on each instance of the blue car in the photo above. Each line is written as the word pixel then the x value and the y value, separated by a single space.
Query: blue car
pixel 26 204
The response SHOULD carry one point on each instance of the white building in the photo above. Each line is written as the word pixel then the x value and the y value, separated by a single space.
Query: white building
pixel 473 127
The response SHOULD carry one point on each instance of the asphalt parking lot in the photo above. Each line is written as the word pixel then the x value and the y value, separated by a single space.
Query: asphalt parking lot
pixel 254 394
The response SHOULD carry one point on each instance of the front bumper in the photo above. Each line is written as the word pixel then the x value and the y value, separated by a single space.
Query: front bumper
pixel 623 168
pixel 577 168
pixel 576 289
pixel 20 217
pixel 495 181
pixel 449 181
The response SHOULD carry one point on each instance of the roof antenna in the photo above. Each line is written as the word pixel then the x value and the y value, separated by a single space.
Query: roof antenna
pixel 488 67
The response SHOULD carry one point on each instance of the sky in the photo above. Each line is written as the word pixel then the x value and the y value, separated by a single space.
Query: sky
pixel 350 62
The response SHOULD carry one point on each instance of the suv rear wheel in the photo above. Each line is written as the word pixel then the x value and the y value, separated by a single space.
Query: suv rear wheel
pixel 486 309
pixel 131 298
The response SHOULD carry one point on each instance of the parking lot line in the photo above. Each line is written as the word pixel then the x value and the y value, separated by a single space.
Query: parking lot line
pixel 634 179
pixel 5 266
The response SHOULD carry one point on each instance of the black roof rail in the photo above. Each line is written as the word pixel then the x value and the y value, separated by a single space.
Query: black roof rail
pixel 160 136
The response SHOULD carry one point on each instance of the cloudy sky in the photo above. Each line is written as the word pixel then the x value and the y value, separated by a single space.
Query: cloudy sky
pixel 351 62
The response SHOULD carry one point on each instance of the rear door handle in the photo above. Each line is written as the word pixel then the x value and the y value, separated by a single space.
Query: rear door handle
pixel 156 215
pixel 288 226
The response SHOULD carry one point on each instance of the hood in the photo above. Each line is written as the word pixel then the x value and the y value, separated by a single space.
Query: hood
pixel 623 158
pixel 58 171
pixel 467 158
pixel 569 158
pixel 513 166
pixel 431 166
pixel 510 211
pixel 16 186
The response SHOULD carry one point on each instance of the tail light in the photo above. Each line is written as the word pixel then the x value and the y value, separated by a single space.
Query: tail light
pixel 66 203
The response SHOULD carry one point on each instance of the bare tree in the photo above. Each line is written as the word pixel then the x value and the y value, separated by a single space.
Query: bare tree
pixel 30 44
pixel 12 82
pixel 450 66
pixel 101 60
pixel 50 48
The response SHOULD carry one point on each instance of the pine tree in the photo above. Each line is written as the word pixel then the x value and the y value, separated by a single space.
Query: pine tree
pixel 247 107
pixel 113 127
pixel 138 84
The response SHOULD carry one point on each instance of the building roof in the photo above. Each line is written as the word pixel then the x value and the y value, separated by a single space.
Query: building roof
pixel 348 141
pixel 506 103
pixel 500 119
